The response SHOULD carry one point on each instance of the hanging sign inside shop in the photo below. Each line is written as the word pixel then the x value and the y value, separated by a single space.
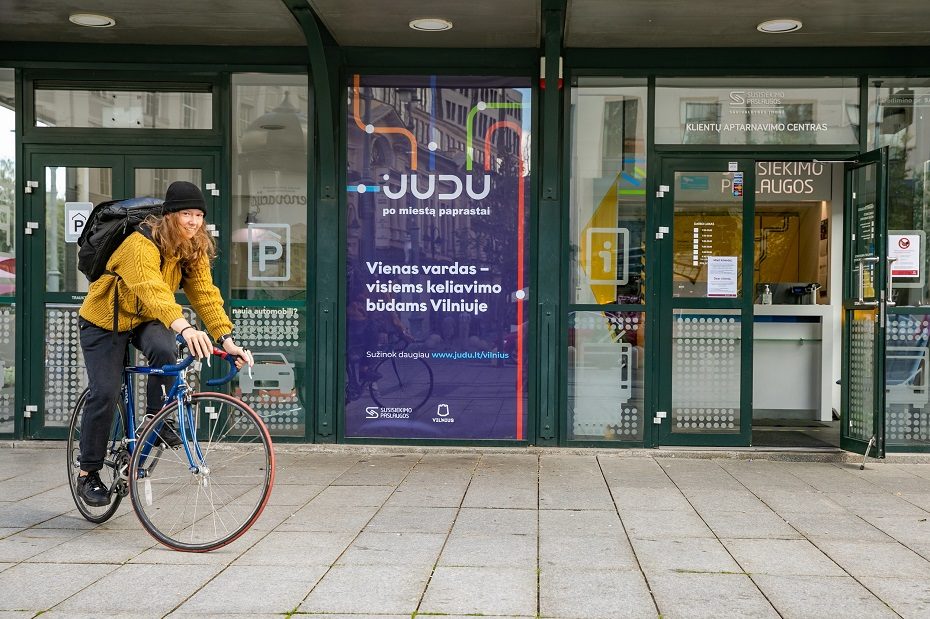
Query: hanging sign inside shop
pixel 437 317
pixel 776 181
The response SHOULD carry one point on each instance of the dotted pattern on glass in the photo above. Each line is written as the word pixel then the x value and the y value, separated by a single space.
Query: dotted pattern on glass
pixel 273 336
pixel 7 368
pixel 907 380
pixel 861 370
pixel 605 384
pixel 706 373
pixel 65 376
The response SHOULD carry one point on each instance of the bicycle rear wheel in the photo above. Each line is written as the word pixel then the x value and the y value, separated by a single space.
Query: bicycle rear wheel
pixel 402 383
pixel 207 501
pixel 116 459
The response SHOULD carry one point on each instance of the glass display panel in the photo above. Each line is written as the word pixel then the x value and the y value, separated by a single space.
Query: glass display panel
pixel 65 373
pixel 751 110
pixel 791 232
pixel 608 191
pixel 899 118
pixel 707 235
pixel 606 373
pixel 706 348
pixel 277 387
pixel 7 367
pixel 69 193
pixel 123 109
pixel 907 380
pixel 438 232
pixel 269 181
pixel 154 181
pixel 7 183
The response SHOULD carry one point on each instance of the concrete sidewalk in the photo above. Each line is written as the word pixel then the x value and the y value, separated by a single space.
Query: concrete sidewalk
pixel 391 533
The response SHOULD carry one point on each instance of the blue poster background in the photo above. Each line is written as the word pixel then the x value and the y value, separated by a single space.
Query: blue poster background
pixel 437 280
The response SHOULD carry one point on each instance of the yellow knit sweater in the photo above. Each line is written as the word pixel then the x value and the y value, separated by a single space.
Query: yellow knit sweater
pixel 145 293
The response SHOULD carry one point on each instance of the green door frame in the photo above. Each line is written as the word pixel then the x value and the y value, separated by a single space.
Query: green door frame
pixel 860 220
pixel 662 321
pixel 31 322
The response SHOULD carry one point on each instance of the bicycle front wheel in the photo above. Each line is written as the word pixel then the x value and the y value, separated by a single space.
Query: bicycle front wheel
pixel 208 491
pixel 115 463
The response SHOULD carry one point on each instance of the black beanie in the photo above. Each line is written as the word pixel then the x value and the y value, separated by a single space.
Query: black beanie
pixel 182 195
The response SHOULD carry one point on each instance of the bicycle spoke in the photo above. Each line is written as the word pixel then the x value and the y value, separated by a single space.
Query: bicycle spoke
pixel 226 490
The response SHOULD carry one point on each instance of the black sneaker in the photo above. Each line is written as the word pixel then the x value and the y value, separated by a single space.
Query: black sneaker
pixel 169 434
pixel 92 491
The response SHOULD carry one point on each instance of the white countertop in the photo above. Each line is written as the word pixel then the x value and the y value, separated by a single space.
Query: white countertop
pixel 791 310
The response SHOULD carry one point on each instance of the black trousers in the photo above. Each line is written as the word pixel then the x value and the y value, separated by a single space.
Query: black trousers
pixel 105 358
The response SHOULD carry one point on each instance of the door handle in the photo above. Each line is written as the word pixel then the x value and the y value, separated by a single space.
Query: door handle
pixel 888 287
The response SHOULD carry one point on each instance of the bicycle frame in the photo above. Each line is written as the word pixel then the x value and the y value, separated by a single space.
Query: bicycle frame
pixel 179 392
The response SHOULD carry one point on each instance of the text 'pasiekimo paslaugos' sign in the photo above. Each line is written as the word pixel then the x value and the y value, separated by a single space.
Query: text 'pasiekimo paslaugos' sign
pixel 436 318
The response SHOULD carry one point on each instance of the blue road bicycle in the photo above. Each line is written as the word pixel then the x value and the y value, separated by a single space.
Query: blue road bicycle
pixel 195 497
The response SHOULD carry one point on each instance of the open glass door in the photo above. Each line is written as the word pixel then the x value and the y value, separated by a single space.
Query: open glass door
pixel 864 304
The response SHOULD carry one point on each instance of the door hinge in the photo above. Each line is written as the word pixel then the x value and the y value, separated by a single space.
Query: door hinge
pixel 30 185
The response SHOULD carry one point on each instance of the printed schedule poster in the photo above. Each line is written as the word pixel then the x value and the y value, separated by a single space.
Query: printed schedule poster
pixel 438 212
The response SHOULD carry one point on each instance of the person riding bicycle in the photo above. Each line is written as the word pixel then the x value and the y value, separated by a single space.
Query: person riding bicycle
pixel 166 252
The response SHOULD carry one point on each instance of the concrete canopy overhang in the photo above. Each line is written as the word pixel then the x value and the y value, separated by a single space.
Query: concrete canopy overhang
pixel 477 23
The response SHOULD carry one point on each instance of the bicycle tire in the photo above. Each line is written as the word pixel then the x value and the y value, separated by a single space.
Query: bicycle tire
pixel 402 383
pixel 167 500
pixel 108 474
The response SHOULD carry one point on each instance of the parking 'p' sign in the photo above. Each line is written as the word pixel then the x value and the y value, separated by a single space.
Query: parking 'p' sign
pixel 76 214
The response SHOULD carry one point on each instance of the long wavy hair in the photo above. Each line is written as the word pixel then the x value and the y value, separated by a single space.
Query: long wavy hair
pixel 167 234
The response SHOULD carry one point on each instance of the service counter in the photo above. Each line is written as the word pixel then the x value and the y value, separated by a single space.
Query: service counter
pixel 792 362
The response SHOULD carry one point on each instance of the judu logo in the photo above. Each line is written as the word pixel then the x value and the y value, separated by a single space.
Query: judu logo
pixel 413 182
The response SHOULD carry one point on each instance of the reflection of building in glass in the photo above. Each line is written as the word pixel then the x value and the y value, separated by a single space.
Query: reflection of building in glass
pixel 269 209
pixel 123 109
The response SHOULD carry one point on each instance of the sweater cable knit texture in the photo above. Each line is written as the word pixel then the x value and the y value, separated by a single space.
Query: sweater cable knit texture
pixel 147 293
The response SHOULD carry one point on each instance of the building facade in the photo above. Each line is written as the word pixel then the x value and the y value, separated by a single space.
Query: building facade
pixel 534 231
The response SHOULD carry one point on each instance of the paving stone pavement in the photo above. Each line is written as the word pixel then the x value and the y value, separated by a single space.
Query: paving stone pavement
pixel 389 533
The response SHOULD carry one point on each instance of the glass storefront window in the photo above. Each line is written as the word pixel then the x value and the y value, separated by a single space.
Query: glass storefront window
pixel 7 247
pixel 608 191
pixel 268 244
pixel 763 111
pixel 269 182
pixel 123 109
pixel 899 118
pixel 606 372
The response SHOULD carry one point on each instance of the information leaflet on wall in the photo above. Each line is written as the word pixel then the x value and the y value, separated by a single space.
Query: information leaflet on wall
pixel 721 276
pixel 904 255
pixel 437 315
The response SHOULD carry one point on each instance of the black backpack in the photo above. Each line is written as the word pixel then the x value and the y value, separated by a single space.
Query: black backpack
pixel 108 225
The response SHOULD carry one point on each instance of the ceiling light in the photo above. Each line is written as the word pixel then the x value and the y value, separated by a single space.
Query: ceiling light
pixel 92 20
pixel 779 26
pixel 431 24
